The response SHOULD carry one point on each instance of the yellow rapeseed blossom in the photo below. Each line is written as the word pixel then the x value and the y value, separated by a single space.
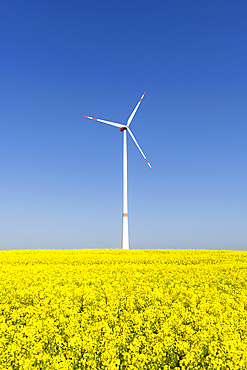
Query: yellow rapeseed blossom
pixel 123 310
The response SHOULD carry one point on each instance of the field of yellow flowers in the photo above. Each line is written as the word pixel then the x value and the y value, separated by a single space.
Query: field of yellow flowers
pixel 114 309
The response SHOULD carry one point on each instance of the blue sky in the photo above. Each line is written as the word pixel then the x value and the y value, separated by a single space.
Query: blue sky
pixel 61 174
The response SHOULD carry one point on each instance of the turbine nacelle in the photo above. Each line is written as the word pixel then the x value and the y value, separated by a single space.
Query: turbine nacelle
pixel 123 128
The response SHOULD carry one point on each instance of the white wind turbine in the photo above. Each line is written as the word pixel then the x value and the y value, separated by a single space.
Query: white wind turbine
pixel 124 129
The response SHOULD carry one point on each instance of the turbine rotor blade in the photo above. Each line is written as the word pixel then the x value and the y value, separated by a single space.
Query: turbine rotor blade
pixel 134 111
pixel 107 122
pixel 138 146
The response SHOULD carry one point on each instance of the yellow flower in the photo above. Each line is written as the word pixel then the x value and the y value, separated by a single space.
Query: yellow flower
pixel 107 309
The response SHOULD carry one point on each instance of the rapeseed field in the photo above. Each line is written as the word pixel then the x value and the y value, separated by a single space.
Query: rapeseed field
pixel 114 309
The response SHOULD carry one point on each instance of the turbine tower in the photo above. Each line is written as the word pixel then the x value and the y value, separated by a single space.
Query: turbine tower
pixel 125 129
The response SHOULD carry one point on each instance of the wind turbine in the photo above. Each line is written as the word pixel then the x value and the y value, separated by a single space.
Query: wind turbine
pixel 124 129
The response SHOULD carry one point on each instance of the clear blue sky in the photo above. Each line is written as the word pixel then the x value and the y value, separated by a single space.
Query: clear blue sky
pixel 61 174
